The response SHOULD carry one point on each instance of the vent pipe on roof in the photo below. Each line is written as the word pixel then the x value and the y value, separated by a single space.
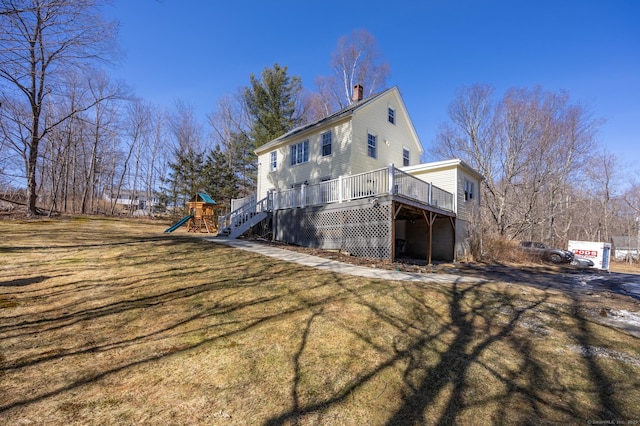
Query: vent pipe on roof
pixel 357 93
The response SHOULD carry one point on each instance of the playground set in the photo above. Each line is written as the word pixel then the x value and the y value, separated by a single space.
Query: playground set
pixel 202 217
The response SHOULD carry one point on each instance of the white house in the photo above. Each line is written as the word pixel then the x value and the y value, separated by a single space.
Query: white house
pixel 368 135
pixel 130 200
pixel 625 247
pixel 353 181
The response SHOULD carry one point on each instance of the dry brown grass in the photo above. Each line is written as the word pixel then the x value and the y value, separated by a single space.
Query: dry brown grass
pixel 624 267
pixel 112 322
pixel 503 250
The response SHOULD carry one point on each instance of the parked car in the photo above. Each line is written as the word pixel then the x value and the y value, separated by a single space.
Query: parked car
pixel 581 261
pixel 546 253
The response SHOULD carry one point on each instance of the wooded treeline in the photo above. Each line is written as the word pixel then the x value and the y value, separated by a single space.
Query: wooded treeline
pixel 72 140
pixel 545 176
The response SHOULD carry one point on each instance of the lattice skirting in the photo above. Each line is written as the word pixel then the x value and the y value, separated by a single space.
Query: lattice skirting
pixel 358 227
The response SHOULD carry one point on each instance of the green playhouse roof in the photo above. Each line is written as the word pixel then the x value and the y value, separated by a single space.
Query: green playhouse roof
pixel 206 198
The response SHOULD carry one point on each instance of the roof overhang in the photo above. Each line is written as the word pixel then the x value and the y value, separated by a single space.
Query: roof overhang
pixel 440 165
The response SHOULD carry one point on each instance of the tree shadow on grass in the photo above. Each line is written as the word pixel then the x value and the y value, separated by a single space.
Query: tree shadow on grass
pixel 436 348
pixel 21 282
pixel 227 306
pixel 477 323
pixel 603 385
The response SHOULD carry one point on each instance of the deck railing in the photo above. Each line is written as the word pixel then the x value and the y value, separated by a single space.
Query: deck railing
pixel 385 181
pixel 236 203
pixel 416 189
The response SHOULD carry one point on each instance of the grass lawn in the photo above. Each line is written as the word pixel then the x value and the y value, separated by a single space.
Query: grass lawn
pixel 106 321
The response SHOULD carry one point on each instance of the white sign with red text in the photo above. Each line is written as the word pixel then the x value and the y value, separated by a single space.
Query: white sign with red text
pixel 598 252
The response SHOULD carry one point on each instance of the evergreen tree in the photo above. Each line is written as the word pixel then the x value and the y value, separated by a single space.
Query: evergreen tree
pixel 243 161
pixel 274 104
pixel 221 182
pixel 185 179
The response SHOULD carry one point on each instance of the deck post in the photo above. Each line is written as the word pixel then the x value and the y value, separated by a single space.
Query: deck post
pixel 392 179
pixel 393 232
pixel 430 193
pixel 340 190
pixel 303 195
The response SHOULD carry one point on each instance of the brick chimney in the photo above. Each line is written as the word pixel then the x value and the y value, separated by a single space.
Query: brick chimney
pixel 357 93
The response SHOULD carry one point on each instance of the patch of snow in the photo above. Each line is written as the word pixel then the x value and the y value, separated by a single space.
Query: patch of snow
pixel 622 315
pixel 589 351
pixel 583 280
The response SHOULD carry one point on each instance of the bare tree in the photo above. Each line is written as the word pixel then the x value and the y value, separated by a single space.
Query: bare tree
pixel 230 125
pixel 632 198
pixel 356 60
pixel 156 159
pixel 136 129
pixel 14 113
pixel 41 41
pixel 529 146
pixel 104 94
pixel 187 153
pixel 62 147
pixel 185 128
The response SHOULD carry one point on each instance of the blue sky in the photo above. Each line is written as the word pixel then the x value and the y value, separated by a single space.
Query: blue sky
pixel 199 50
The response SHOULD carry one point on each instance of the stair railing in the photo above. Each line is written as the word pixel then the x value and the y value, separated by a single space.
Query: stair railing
pixel 243 214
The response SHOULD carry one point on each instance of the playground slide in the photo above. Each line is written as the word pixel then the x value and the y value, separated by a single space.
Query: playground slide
pixel 179 223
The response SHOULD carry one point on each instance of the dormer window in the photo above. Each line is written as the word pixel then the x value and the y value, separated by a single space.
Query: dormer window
pixel 392 115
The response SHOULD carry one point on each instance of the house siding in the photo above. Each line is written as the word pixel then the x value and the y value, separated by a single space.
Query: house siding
pixel 391 138
pixel 466 209
pixel 451 178
pixel 442 178
pixel 313 171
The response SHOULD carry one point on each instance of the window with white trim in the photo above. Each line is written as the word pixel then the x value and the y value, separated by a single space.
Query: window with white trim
pixel 372 141
pixel 469 188
pixel 300 153
pixel 391 115
pixel 406 157
pixel 274 161
pixel 326 144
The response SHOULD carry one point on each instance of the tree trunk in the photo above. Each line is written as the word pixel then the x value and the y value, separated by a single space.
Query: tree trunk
pixel 32 187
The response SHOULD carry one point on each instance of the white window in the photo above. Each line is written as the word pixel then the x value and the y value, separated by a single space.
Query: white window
pixel 406 156
pixel 326 144
pixel 392 115
pixel 274 161
pixel 469 188
pixel 300 153
pixel 372 145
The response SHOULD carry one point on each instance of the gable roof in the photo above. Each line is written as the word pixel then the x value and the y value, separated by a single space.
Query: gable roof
pixel 204 197
pixel 336 116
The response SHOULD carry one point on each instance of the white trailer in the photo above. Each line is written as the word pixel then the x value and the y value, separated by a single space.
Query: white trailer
pixel 598 252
